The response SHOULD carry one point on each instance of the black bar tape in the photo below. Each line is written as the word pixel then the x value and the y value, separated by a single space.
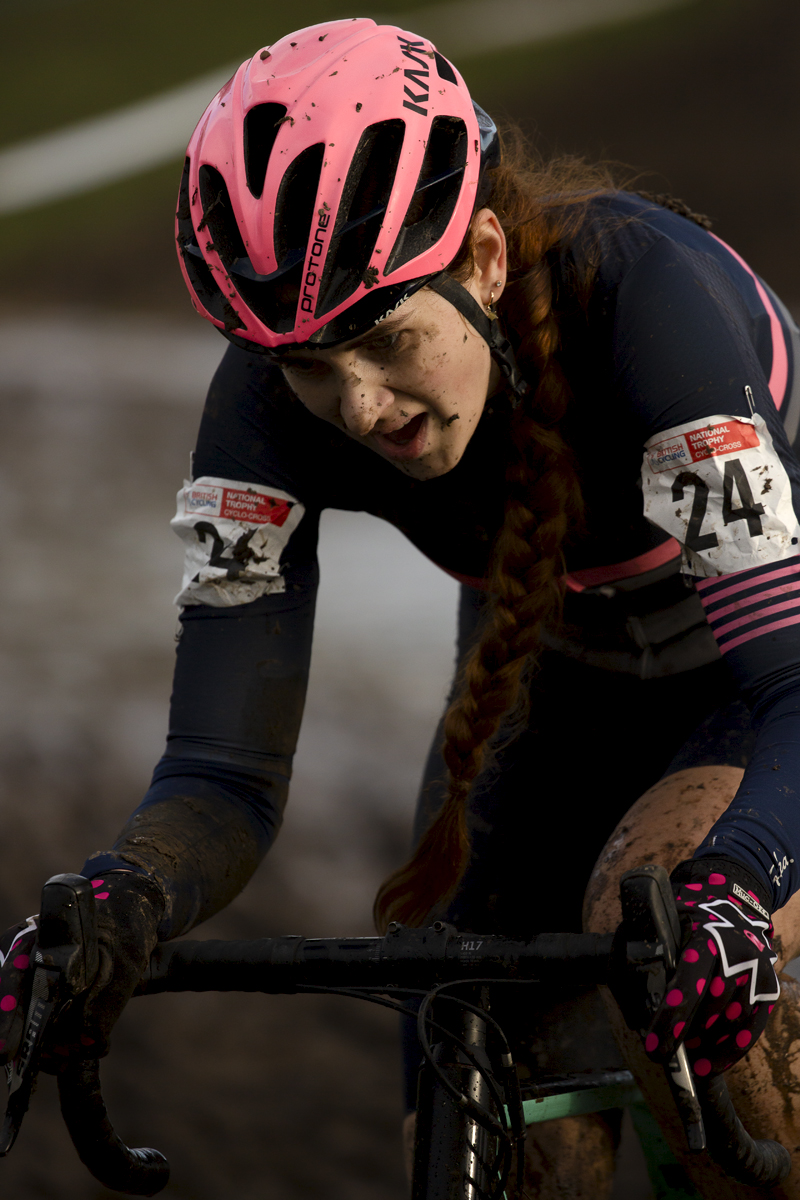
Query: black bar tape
pixel 417 958
pixel 141 1172
pixel 757 1163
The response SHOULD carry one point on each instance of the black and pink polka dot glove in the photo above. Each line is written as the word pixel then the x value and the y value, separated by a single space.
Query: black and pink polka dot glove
pixel 129 908
pixel 16 981
pixel 724 988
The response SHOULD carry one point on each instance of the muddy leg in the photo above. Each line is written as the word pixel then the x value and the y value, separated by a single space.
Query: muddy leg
pixel 569 1159
pixel 665 826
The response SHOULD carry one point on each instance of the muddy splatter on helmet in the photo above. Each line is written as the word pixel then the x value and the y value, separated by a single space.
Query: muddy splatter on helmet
pixel 333 176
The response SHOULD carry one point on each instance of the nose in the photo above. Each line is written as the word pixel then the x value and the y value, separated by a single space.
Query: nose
pixel 363 397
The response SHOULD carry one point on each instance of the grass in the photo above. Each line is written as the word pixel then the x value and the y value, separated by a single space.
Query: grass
pixel 65 62
pixel 68 60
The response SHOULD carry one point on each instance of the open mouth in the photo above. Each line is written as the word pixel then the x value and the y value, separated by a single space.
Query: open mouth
pixel 406 434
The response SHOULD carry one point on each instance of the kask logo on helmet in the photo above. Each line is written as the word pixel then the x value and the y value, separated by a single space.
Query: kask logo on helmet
pixel 394 308
pixel 418 77
pixel 314 257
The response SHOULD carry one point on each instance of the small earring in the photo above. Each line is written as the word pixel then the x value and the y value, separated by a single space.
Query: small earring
pixel 490 305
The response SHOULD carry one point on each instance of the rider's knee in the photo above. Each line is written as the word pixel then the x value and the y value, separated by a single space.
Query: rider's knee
pixel 600 901
pixel 664 826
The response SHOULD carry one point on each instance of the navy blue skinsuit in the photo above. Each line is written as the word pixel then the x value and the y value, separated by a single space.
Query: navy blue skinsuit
pixel 681 348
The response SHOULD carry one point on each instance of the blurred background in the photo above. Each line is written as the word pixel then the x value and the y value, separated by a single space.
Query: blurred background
pixel 103 370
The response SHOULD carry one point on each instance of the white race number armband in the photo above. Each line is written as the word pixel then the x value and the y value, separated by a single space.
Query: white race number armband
pixel 234 535
pixel 719 487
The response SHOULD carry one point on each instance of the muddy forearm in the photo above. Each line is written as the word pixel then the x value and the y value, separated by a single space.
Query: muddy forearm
pixel 217 796
pixel 200 847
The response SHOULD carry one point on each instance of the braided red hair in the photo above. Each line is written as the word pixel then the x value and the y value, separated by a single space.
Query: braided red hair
pixel 543 501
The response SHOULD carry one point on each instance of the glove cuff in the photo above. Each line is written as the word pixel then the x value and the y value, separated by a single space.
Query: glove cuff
pixel 110 884
pixel 743 884
pixel 130 907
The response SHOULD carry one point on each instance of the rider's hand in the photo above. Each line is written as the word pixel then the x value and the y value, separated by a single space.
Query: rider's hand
pixel 724 988
pixel 129 908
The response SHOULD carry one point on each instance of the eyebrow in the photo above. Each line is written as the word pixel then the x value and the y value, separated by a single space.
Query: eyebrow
pixel 387 325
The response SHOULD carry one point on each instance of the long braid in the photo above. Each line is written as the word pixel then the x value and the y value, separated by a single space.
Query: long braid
pixel 543 501
pixel 523 582
pixel 540 494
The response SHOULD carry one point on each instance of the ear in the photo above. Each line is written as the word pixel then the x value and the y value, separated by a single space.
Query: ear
pixel 489 252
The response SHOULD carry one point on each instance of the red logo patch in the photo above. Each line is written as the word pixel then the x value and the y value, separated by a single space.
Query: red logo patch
pixel 706 441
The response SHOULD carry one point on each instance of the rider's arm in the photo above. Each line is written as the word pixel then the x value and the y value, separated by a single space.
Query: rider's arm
pixel 217 795
pixel 687 355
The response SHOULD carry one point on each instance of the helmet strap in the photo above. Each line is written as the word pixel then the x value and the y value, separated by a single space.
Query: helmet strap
pixel 488 327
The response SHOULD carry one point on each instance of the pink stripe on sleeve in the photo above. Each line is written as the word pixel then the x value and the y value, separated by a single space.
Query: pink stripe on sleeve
pixel 576 581
pixel 780 360
pixel 719 630
pixel 703 584
pixel 785 589
pixel 754 633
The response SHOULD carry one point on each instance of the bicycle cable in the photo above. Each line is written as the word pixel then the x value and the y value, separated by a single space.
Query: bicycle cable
pixel 510 1133
pixel 511 1110
pixel 380 998
pixel 463 1101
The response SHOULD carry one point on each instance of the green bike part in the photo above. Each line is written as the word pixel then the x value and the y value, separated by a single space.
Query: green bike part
pixel 667 1176
pixel 572 1104
pixel 669 1180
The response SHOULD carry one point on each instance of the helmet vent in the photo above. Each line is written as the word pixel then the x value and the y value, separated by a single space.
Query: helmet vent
pixel 446 72
pixel 294 206
pixel 200 277
pixel 261 127
pixel 358 222
pixel 436 193
pixel 218 217
pixel 273 298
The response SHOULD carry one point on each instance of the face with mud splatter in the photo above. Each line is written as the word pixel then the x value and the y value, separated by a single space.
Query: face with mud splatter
pixel 413 389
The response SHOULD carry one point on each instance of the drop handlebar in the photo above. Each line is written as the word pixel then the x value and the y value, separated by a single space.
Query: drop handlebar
pixel 635 962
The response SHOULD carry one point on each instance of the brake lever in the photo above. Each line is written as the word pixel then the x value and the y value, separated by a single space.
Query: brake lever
pixel 22 1072
pixel 66 961
pixel 650 919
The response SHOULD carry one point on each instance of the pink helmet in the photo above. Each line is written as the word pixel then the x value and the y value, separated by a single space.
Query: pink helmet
pixel 334 175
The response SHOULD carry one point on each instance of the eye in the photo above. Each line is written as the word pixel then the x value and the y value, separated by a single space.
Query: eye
pixel 303 366
pixel 386 344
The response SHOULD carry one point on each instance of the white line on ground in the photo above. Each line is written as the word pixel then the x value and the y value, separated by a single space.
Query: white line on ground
pixel 466 28
pixel 118 144
pixel 151 132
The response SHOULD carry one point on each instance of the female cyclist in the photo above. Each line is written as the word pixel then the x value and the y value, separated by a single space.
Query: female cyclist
pixel 579 402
